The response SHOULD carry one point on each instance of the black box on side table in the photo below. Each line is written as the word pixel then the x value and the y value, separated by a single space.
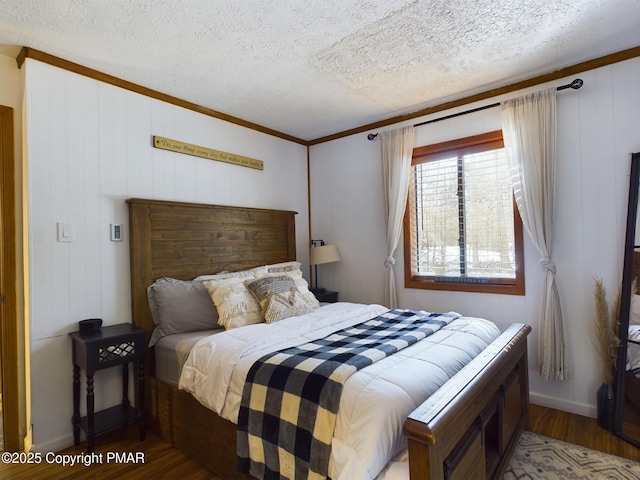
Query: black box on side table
pixel 107 347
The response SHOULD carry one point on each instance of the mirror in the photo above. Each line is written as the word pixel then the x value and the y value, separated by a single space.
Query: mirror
pixel 626 422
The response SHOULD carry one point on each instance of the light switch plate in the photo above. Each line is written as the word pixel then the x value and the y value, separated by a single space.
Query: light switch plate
pixel 65 232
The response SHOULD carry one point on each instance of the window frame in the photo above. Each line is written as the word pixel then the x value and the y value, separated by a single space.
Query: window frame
pixel 463 146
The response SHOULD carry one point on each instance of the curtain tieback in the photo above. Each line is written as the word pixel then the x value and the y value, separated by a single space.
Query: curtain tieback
pixel 389 262
pixel 548 264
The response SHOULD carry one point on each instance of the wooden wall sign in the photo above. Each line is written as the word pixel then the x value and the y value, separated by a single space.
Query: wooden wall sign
pixel 209 153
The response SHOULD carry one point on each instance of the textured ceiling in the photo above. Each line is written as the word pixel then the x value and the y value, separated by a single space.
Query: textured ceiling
pixel 311 68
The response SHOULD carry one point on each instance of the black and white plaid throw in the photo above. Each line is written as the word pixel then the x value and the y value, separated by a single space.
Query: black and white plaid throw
pixel 291 397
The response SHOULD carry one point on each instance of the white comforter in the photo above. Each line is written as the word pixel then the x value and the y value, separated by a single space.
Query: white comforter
pixel 375 401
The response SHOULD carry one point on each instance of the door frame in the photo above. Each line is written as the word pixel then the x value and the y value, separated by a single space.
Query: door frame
pixel 8 285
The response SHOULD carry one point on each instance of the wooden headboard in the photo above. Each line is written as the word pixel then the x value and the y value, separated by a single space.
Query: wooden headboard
pixel 184 240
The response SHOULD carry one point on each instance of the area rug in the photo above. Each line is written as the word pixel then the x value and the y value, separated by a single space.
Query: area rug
pixel 539 457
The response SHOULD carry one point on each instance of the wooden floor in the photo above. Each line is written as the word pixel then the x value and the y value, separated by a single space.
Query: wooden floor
pixel 580 430
pixel 163 461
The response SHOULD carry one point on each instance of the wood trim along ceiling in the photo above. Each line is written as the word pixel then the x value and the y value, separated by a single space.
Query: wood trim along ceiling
pixel 27 52
pixel 547 77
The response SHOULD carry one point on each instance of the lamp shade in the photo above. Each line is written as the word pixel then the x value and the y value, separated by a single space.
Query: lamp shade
pixel 324 254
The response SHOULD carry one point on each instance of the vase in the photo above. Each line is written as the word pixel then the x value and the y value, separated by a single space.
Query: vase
pixel 604 398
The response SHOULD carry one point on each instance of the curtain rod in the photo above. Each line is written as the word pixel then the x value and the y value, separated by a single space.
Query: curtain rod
pixel 575 85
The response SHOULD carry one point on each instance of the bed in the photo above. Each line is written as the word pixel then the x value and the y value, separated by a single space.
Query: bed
pixel 469 426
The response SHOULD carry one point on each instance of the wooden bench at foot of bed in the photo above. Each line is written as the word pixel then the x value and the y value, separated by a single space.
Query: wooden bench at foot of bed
pixel 470 427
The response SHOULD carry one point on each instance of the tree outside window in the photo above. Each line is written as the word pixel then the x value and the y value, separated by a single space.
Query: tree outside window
pixel 462 230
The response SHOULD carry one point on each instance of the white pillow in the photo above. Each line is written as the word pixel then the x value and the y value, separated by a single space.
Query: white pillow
pixel 283 267
pixel 252 272
pixel 303 287
pixel 236 305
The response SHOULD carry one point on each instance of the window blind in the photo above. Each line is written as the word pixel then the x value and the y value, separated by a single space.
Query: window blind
pixel 462 216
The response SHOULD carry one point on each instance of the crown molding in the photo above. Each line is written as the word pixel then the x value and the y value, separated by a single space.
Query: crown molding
pixel 27 52
pixel 547 77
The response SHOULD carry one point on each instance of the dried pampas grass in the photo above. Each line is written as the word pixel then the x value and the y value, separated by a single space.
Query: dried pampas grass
pixel 606 326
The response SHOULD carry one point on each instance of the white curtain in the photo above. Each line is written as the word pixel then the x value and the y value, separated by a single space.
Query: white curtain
pixel 397 150
pixel 529 131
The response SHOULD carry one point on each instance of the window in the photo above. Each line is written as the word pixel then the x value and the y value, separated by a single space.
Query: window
pixel 462 230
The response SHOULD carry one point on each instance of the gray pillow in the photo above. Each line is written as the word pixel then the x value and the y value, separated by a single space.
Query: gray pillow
pixel 179 306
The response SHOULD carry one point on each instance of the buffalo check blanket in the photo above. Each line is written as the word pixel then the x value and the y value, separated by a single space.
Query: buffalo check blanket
pixel 291 397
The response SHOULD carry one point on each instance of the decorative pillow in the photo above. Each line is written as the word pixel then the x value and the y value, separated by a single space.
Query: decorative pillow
pixel 235 304
pixel 279 297
pixel 303 287
pixel 250 273
pixel 179 306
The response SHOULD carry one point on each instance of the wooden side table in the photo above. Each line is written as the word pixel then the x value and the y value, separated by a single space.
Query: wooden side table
pixel 107 347
pixel 325 296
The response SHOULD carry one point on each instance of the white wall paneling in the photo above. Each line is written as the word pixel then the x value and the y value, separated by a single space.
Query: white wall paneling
pixel 596 133
pixel 90 148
